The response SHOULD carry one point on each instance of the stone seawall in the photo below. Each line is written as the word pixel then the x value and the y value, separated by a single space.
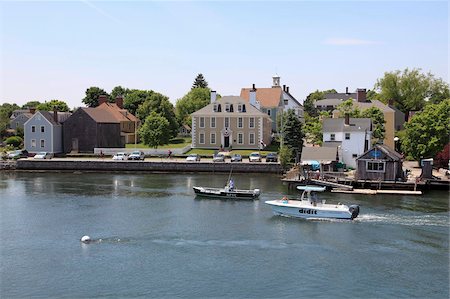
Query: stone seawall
pixel 150 166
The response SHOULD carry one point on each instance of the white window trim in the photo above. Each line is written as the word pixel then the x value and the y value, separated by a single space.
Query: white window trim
pixel 210 138
pixel 345 136
pixel 242 122
pixel 42 129
pixel 200 122
pixel 250 122
pixel 332 137
pixel 42 140
pixel 242 135
pixel 250 139
pixel 378 162
pixel 225 122
pixel 33 143
pixel 200 139
pixel 211 120
pixel 33 129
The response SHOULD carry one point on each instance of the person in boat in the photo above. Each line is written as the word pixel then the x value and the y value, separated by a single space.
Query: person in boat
pixel 231 185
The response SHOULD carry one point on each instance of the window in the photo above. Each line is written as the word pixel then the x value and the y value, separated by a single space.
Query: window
pixel 227 107
pixel 268 112
pixel 215 108
pixel 33 142
pixel 202 138
pixel 202 122
pixel 243 108
pixel 239 107
pixel 347 136
pixel 231 108
pixel 372 166
pixel 332 137
pixel 251 123
pixel 42 129
pixel 42 143
pixel 286 102
pixel 219 108
pixel 227 122
pixel 251 138
pixel 33 129
pixel 213 138
pixel 240 123
pixel 240 138
pixel 213 122
pixel 354 155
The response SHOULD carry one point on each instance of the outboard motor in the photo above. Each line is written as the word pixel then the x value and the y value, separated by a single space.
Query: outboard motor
pixel 354 210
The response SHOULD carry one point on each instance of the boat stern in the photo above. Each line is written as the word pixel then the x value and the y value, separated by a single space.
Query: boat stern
pixel 354 210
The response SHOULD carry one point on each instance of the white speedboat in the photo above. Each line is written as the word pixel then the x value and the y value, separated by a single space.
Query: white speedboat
pixel 310 208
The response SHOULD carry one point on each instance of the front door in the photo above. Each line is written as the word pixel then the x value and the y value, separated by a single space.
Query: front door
pixel 226 141
pixel 75 145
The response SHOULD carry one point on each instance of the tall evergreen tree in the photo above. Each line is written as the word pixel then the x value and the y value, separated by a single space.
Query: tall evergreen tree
pixel 199 82
pixel 293 132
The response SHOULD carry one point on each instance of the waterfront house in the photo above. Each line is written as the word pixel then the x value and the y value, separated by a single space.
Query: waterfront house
pixel 184 131
pixel 314 158
pixel 274 100
pixel 43 132
pixel 381 163
pixel 231 122
pixel 20 119
pixel 350 135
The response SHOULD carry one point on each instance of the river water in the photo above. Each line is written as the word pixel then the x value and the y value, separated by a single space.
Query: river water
pixel 155 239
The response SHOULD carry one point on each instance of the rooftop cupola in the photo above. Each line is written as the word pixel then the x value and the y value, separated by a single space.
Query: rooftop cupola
pixel 276 81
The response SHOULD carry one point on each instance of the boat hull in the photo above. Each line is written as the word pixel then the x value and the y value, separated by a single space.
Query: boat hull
pixel 227 194
pixel 306 210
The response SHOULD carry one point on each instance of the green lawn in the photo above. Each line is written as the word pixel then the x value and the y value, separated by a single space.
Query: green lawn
pixel 174 143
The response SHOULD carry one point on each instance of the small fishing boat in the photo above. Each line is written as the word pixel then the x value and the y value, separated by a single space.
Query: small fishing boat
pixel 310 207
pixel 228 192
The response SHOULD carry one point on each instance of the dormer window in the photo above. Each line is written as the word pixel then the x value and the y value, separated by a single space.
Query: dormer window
pixel 217 108
pixel 231 108
pixel 227 107
pixel 243 108
pixel 239 107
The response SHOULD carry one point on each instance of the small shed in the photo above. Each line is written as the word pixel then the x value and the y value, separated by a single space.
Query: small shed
pixel 313 157
pixel 380 163
pixel 184 131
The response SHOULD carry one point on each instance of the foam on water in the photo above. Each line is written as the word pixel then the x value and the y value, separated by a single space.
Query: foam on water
pixel 261 244
pixel 410 220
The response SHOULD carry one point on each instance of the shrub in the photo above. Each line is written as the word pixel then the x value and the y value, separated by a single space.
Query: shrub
pixel 14 141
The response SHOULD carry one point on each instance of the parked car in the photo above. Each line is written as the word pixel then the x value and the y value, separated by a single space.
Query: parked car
pixel 236 158
pixel 17 154
pixel 254 157
pixel 219 158
pixel 120 156
pixel 43 155
pixel 272 157
pixel 137 155
pixel 193 157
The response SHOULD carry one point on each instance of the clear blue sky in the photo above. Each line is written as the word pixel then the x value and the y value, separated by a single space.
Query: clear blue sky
pixel 57 49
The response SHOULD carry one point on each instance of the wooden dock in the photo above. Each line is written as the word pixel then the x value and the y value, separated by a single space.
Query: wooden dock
pixel 374 192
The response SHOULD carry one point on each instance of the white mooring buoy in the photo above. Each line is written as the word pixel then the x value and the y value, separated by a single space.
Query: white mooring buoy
pixel 86 239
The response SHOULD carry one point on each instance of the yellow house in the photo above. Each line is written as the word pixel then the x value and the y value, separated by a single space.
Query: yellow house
pixel 230 122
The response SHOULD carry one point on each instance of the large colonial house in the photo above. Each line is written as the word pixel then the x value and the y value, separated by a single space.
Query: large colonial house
pixel 231 122
pixel 274 100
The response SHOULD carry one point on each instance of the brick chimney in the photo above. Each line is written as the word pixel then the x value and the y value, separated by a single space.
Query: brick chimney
pixel 361 94
pixel 55 114
pixel 102 99
pixel 119 102
pixel 347 119
pixel 32 110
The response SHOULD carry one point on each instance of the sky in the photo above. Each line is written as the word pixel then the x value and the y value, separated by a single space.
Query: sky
pixel 58 49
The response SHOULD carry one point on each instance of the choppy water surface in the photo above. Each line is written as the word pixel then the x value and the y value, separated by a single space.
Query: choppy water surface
pixel 155 239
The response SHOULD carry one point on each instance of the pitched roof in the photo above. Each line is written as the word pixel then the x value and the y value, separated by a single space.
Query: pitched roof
pixel 373 103
pixel 100 115
pixel 328 102
pixel 235 100
pixel 319 153
pixel 268 97
pixel 340 96
pixel 119 113
pixel 386 150
pixel 49 117
pixel 338 125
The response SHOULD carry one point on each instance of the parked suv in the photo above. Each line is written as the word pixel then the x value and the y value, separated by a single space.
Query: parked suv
pixel 137 155
pixel 17 154
pixel 254 157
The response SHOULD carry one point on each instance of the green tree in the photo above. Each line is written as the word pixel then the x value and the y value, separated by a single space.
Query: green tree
pixel 92 94
pixel 286 156
pixel 292 131
pixel 312 98
pixel 31 104
pixel 199 82
pixel 119 91
pixel 160 104
pixel 347 107
pixel 155 130
pixel 14 141
pixel 6 111
pixel 313 127
pixel 377 117
pixel 134 98
pixel 428 131
pixel 194 100
pixel 49 106
pixel 411 90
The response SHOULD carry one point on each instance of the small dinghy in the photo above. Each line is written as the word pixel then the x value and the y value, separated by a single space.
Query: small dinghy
pixel 310 207
pixel 228 192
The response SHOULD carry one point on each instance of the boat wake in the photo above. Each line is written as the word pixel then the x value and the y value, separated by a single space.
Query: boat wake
pixel 409 220
pixel 259 244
